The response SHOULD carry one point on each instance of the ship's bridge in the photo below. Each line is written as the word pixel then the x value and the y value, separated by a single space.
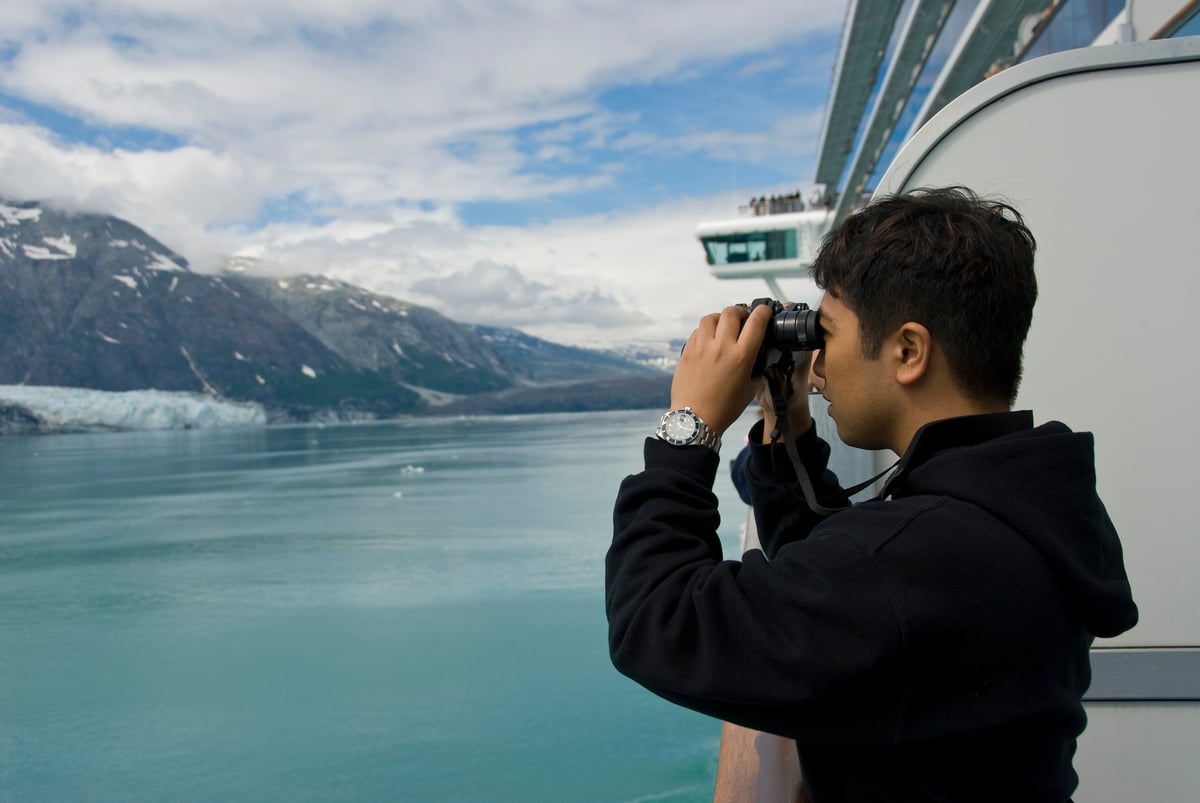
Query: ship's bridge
pixel 764 246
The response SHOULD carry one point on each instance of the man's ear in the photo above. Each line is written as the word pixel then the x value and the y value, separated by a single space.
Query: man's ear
pixel 913 349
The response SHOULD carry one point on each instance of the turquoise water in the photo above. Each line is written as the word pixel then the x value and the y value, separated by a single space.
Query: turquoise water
pixel 402 611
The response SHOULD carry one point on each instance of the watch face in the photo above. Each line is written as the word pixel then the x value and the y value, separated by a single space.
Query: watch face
pixel 679 427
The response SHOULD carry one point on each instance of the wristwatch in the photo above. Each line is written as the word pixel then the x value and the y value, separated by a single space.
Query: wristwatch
pixel 684 428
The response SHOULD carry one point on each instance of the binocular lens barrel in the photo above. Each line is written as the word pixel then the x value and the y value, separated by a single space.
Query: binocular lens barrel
pixel 795 329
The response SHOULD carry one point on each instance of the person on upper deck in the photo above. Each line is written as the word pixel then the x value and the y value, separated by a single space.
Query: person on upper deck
pixel 930 644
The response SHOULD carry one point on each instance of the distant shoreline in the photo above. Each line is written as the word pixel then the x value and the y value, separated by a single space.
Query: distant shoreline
pixel 55 411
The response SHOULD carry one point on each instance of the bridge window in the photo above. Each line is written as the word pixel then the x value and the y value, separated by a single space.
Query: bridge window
pixel 755 246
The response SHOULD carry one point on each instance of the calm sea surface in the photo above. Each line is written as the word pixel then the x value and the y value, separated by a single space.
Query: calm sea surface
pixel 403 611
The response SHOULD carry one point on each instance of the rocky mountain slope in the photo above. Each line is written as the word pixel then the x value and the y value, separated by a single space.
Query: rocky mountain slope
pixel 92 301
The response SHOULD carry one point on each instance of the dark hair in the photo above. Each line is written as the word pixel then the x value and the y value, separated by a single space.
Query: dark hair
pixel 958 264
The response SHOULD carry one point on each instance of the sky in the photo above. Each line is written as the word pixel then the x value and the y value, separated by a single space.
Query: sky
pixel 540 164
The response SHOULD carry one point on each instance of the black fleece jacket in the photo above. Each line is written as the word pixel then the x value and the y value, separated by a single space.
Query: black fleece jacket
pixel 931 644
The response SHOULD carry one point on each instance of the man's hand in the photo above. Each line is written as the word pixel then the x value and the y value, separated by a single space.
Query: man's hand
pixel 713 375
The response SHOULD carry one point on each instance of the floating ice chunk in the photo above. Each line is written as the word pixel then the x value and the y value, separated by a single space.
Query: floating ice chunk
pixel 310 373
pixel 410 470
pixel 108 339
pixel 128 281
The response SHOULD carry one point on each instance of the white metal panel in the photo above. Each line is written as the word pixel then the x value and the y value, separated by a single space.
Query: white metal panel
pixel 1139 751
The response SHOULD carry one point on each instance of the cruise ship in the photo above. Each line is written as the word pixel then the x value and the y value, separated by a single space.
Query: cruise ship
pixel 899 63
pixel 1083 114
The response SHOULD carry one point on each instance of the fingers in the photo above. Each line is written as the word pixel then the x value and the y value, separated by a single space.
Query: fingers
pixel 713 374
pixel 734 324
pixel 729 323
pixel 754 326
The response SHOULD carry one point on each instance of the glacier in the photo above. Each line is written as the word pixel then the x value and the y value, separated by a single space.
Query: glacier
pixel 67 409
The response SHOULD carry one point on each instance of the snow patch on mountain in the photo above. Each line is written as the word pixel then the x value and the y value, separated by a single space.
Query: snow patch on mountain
pixel 163 262
pixel 15 215
pixel 55 248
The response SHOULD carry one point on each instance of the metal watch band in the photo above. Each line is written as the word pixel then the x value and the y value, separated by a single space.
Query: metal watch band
pixel 707 437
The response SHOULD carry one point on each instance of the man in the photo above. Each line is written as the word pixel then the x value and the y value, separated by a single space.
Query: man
pixel 932 643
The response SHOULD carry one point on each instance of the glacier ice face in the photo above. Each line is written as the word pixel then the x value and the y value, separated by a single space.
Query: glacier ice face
pixel 81 408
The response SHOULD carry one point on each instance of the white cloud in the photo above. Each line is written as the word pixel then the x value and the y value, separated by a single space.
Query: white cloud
pixel 385 83
pixel 492 293
pixel 174 195
pixel 794 135
pixel 606 278
pixel 380 119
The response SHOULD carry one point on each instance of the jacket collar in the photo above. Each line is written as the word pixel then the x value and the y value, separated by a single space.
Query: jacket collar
pixel 968 430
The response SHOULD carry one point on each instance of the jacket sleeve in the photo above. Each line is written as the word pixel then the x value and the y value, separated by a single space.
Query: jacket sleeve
pixel 800 646
pixel 780 510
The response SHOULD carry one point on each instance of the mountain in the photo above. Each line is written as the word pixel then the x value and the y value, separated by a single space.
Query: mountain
pixel 420 348
pixel 545 362
pixel 400 342
pixel 92 301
